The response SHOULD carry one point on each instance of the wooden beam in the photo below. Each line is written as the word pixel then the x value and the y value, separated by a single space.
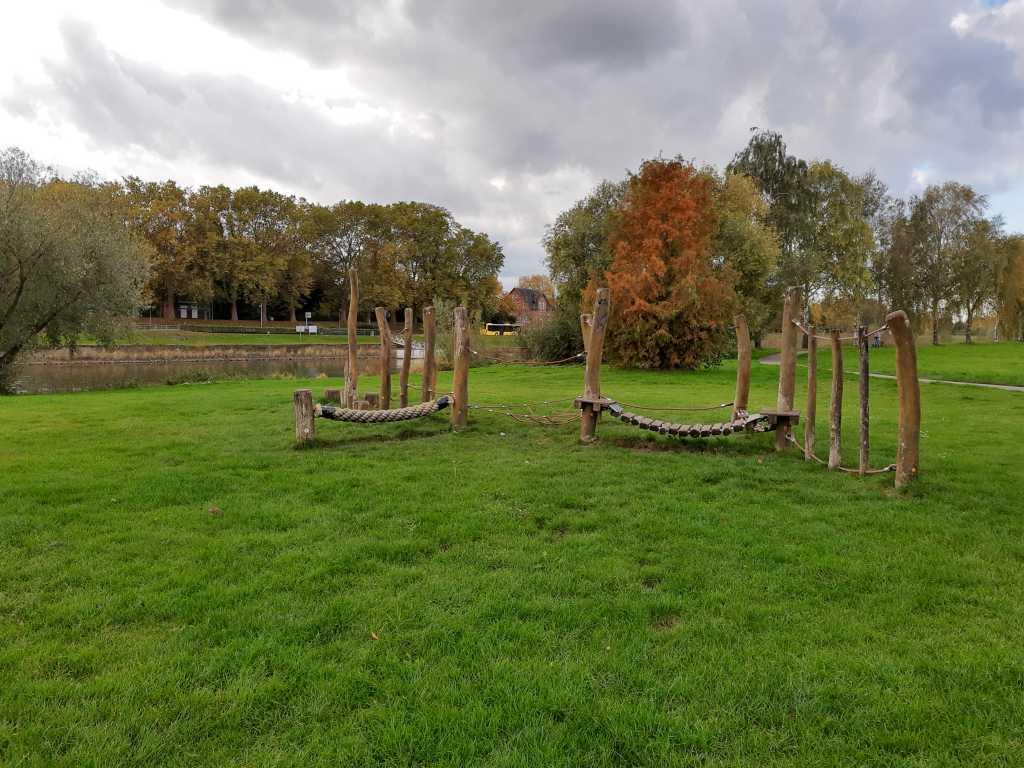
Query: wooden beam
pixel 403 381
pixel 429 361
pixel 352 369
pixel 305 428
pixel 743 353
pixel 586 319
pixel 835 448
pixel 385 357
pixel 592 376
pixel 460 383
pixel 787 366
pixel 908 388
pixel 812 394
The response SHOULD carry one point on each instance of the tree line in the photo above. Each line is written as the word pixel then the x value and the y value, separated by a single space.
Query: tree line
pixel 276 251
pixel 77 254
pixel 683 247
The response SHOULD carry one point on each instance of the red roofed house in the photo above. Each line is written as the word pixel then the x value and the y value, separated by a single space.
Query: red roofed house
pixel 529 304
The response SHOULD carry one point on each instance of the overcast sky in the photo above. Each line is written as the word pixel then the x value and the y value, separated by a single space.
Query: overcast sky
pixel 507 112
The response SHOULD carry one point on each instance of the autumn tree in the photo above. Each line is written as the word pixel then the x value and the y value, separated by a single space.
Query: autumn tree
pixel 671 303
pixel 973 271
pixel 540 283
pixel 158 212
pixel 1009 290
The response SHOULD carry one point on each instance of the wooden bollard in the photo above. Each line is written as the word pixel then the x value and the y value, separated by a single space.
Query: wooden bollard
pixel 429 361
pixel 908 389
pixel 863 390
pixel 742 396
pixel 787 366
pixel 403 381
pixel 589 411
pixel 385 356
pixel 812 394
pixel 835 448
pixel 332 395
pixel 352 369
pixel 460 373
pixel 305 427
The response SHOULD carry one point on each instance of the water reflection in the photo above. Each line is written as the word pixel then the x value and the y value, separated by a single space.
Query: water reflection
pixel 76 377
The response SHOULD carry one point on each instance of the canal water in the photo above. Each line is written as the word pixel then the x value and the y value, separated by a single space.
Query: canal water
pixel 31 378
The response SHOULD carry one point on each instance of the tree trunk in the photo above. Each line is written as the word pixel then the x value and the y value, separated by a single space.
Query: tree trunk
pixel 169 303
pixel 291 308
pixel 970 319
pixel 935 323
pixel 234 309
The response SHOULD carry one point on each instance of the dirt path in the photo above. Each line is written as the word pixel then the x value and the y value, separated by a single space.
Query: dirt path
pixel 777 358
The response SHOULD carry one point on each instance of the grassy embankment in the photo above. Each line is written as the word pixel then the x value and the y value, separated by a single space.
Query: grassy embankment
pixel 401 595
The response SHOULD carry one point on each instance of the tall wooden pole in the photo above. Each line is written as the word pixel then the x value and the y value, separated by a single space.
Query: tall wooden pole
pixel 429 361
pixel 403 381
pixel 385 357
pixel 739 401
pixel 909 391
pixel 865 377
pixel 835 448
pixel 352 369
pixel 592 377
pixel 305 427
pixel 460 383
pixel 586 319
pixel 812 394
pixel 787 368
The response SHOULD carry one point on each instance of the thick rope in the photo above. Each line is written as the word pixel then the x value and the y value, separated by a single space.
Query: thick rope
pixel 665 408
pixel 380 417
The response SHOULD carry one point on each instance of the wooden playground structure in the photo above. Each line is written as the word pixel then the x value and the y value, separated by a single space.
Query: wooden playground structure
pixel 591 403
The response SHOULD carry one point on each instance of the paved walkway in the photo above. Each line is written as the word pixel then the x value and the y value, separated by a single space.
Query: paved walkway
pixel 777 358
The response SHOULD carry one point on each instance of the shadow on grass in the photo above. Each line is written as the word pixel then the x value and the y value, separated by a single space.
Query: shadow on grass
pixel 345 441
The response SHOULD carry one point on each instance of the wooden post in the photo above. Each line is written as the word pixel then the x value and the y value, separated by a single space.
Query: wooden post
pixel 835 448
pixel 385 357
pixel 586 319
pixel 909 391
pixel 352 369
pixel 592 377
pixel 787 366
pixel 429 361
pixel 812 394
pixel 739 404
pixel 305 428
pixel 865 446
pixel 460 374
pixel 403 381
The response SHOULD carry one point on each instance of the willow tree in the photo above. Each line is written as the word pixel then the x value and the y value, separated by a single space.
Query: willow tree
pixel 68 264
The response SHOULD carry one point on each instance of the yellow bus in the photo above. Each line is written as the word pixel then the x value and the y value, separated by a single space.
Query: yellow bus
pixel 501 329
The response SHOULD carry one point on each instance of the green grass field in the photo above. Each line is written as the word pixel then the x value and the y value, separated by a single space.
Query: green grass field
pixel 1001 363
pixel 405 596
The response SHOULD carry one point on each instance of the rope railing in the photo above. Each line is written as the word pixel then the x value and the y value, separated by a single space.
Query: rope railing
pixel 852 337
pixel 848 470
pixel 669 408
pixel 503 361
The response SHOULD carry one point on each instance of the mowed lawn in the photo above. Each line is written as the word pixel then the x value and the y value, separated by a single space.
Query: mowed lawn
pixel 999 363
pixel 401 595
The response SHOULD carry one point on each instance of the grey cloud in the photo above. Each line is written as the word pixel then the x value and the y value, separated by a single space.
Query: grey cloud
pixel 528 90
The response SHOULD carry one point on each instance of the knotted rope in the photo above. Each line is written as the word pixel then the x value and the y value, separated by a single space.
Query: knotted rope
pixel 743 423
pixel 380 417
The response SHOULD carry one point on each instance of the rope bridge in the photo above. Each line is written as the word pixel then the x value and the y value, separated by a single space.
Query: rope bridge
pixel 754 422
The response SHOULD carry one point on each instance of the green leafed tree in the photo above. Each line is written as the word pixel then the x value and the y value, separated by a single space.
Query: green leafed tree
pixel 68 264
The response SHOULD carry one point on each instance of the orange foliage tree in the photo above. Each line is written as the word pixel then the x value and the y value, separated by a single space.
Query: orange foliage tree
pixel 671 303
